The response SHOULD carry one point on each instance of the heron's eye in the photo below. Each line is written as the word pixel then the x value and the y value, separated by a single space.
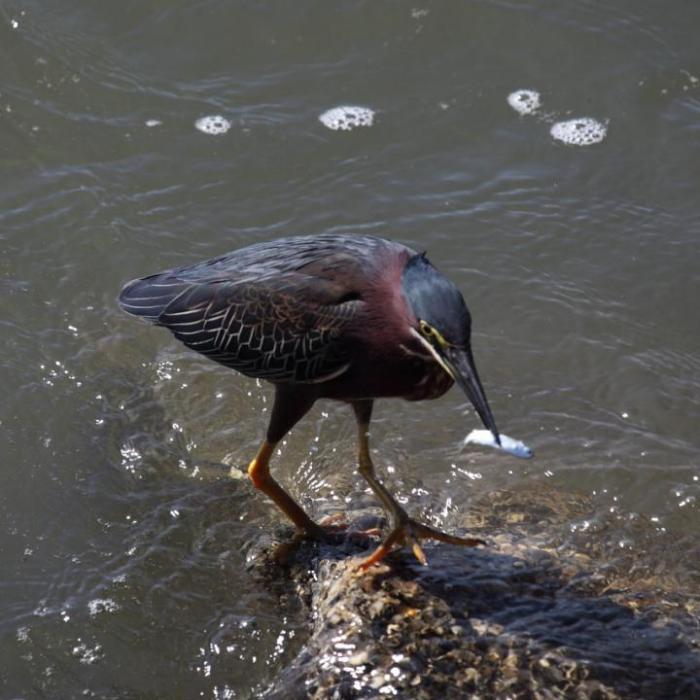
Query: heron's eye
pixel 432 334
pixel 427 330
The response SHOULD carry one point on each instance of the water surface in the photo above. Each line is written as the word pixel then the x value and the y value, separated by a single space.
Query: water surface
pixel 123 543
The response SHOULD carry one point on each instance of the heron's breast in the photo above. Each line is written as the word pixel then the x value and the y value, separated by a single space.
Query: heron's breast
pixel 431 383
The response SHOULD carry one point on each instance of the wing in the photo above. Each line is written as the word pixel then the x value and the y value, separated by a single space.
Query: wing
pixel 288 328
pixel 282 310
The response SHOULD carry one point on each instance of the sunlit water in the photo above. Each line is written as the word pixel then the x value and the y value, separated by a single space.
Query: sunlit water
pixel 123 541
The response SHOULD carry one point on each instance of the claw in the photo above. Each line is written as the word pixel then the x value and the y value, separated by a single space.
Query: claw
pixel 376 556
pixel 410 532
pixel 418 553
pixel 383 549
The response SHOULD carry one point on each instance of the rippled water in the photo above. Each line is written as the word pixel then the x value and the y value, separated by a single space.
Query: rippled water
pixel 123 541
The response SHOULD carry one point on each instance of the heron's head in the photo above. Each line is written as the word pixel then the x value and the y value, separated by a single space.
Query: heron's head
pixel 443 327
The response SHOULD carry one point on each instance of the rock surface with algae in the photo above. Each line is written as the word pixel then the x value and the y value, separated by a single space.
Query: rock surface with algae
pixel 537 614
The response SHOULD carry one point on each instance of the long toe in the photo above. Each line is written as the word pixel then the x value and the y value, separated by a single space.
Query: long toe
pixel 409 531
pixel 396 536
pixel 428 533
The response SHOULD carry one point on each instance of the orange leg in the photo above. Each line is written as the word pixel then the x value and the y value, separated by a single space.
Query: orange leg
pixel 259 473
pixel 405 530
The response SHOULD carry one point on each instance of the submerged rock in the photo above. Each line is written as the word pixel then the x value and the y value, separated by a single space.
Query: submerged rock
pixel 517 619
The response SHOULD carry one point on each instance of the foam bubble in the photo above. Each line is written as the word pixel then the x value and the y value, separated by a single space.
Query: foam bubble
pixel 525 101
pixel 582 131
pixel 347 117
pixel 87 655
pixel 102 605
pixel 214 124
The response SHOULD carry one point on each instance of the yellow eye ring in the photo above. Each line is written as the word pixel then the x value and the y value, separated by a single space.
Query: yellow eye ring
pixel 433 334
pixel 426 329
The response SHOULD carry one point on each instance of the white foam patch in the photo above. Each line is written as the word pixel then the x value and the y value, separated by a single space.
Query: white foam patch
pixel 582 131
pixel 87 655
pixel 102 605
pixel 508 444
pixel 214 124
pixel 347 118
pixel 525 101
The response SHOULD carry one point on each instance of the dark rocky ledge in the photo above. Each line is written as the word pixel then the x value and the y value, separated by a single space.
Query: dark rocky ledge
pixel 539 613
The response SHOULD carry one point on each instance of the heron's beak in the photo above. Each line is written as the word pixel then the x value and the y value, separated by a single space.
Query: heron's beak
pixel 459 364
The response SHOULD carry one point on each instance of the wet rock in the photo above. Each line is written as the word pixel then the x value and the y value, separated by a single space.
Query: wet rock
pixel 529 616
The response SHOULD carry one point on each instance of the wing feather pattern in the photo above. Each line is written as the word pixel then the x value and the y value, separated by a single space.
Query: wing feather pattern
pixel 288 329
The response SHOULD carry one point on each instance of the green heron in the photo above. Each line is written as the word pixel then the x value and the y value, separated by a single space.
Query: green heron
pixel 351 318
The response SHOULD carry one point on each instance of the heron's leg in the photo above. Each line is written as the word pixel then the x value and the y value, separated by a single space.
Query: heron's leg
pixel 405 530
pixel 287 410
pixel 259 473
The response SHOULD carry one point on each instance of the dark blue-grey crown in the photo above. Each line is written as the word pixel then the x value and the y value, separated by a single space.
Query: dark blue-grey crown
pixel 436 300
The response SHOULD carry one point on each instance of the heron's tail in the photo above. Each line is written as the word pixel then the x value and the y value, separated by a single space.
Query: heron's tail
pixel 149 296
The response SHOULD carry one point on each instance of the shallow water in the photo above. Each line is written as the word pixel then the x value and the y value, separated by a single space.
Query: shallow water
pixel 123 542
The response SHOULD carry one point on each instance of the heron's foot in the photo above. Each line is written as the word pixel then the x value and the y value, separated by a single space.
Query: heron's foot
pixel 333 530
pixel 409 532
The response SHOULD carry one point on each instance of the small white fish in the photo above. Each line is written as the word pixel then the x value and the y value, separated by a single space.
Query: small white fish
pixel 508 444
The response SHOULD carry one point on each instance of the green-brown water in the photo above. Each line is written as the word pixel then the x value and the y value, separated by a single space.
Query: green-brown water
pixel 122 544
